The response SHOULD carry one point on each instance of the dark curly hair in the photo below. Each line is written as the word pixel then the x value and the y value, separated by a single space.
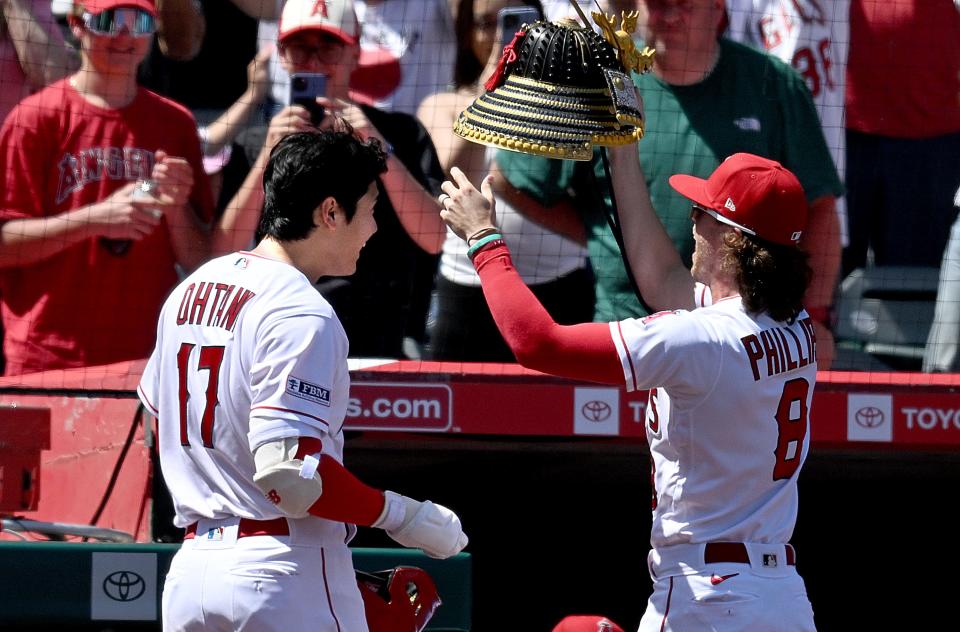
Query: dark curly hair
pixel 306 168
pixel 771 278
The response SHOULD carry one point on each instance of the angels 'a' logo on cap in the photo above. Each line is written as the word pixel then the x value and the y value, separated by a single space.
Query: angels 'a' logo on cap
pixel 795 235
pixel 319 8
pixel 730 205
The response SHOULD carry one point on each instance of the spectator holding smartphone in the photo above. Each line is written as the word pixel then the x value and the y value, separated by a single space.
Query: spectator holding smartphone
pixel 386 300
pixel 554 267
pixel 84 263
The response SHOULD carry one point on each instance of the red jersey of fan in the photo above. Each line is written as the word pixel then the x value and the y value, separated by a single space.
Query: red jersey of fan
pixel 95 302
pixel 903 74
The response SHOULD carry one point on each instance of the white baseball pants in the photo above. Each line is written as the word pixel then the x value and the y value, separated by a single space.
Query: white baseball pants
pixel 298 582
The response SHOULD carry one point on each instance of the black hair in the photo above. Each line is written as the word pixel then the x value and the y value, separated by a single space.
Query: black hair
pixel 467 67
pixel 306 168
pixel 771 278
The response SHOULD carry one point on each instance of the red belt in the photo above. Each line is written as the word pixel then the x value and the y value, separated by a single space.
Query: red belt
pixel 735 552
pixel 249 527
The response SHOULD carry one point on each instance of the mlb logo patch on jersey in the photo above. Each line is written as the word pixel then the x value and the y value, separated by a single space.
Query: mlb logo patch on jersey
pixel 306 390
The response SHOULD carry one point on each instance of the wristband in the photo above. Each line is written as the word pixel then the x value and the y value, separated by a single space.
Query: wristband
pixel 472 250
pixel 489 230
pixel 488 245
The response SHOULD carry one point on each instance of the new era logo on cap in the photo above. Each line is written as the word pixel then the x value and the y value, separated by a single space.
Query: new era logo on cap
pixel 770 202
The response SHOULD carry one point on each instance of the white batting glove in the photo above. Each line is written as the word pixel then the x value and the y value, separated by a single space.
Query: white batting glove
pixel 422 525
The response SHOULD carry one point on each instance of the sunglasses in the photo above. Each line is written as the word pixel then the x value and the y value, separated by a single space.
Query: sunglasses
pixel 326 51
pixel 696 209
pixel 110 23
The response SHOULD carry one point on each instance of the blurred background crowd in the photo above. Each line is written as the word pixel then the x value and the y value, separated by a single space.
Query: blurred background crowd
pixel 860 98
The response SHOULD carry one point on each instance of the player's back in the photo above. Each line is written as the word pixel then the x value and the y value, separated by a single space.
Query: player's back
pixel 210 367
pixel 728 425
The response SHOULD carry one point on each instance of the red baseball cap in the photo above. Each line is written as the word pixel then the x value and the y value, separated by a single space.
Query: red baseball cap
pixel 759 196
pixel 98 6
pixel 586 623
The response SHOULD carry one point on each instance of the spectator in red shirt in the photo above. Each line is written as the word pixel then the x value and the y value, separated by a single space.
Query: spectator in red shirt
pixel 85 264
pixel 903 130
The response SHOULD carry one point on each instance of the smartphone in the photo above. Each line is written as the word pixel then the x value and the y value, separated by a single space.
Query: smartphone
pixel 305 87
pixel 510 19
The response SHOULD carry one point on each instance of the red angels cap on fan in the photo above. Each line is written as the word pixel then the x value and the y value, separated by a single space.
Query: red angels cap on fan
pixel 761 197
pixel 585 623
pixel 336 17
pixel 99 6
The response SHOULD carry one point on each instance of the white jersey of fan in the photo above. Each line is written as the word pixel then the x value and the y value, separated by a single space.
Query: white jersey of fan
pixel 256 343
pixel 814 37
pixel 727 419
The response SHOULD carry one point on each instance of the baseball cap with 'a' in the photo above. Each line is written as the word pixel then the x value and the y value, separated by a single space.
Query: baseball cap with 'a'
pixel 99 6
pixel 759 196
pixel 336 17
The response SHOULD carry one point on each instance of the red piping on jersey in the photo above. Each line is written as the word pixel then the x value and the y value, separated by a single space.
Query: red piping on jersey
pixel 247 253
pixel 626 351
pixel 666 611
pixel 326 587
pixel 143 396
pixel 290 410
pixel 726 298
pixel 703 294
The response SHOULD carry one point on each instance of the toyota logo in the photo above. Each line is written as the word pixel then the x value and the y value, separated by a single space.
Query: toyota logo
pixel 124 586
pixel 869 417
pixel 596 411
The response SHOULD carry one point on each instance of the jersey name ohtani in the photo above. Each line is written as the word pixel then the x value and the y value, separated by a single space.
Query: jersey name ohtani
pixel 219 302
pixel 783 349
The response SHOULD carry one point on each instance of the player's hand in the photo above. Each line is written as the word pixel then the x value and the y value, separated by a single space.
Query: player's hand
pixel 432 528
pixel 120 216
pixel 289 120
pixel 465 209
pixel 825 346
pixel 174 178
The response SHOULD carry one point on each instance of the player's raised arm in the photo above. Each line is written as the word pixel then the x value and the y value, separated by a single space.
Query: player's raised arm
pixel 664 281
pixel 585 351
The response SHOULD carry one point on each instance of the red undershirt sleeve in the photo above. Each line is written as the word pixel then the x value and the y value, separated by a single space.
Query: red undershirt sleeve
pixel 584 352
pixel 345 498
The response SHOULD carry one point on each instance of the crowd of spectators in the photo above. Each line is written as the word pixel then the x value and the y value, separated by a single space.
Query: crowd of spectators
pixel 99 95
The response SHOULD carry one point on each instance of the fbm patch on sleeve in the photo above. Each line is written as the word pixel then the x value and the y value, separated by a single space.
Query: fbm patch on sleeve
pixel 306 390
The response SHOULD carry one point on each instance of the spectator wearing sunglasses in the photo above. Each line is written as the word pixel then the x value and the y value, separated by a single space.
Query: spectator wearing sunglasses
pixel 104 196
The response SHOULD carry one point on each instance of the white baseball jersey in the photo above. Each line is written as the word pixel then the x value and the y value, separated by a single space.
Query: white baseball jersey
pixel 814 37
pixel 242 338
pixel 727 419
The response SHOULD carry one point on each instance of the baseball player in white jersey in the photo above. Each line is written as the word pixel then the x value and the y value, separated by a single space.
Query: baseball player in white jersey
pixel 814 37
pixel 730 383
pixel 249 383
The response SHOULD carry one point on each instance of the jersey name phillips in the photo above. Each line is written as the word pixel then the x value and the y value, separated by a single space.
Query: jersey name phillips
pixel 221 303
pixel 782 348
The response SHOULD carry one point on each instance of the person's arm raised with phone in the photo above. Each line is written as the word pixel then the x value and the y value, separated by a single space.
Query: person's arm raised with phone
pixel 328 44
